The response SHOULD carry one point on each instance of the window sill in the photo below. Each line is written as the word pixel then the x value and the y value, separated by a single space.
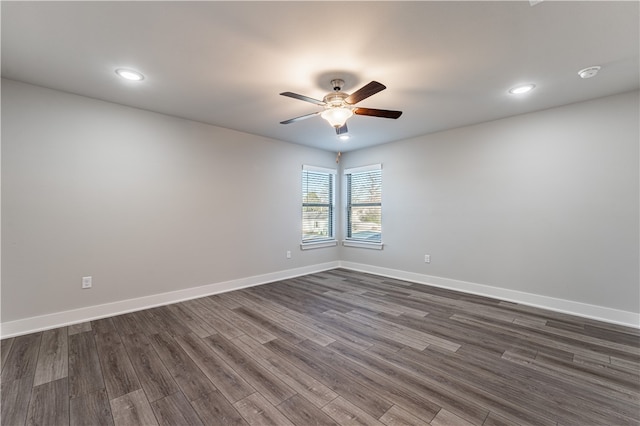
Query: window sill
pixel 362 244
pixel 318 244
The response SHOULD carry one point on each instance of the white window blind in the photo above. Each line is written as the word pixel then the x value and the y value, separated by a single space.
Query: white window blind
pixel 318 188
pixel 364 203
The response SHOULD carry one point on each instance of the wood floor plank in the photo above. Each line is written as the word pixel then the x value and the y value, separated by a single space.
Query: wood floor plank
pixel 229 300
pixel 193 383
pixel 14 400
pixel 5 347
pixel 407 301
pixel 53 357
pixel 85 373
pixel 132 409
pixel 228 381
pixel 583 400
pixel 90 409
pixel 302 412
pixel 626 336
pixel 268 324
pixel 165 318
pixel 321 325
pixel 494 419
pixel 147 322
pixel 360 302
pixel 535 338
pixel 21 360
pixel 269 386
pixel 336 378
pixel 347 414
pixel 445 418
pixel 504 385
pixel 79 328
pixel 582 339
pixel 257 411
pixel 119 376
pixel 627 365
pixel 49 403
pixel 558 368
pixel 156 381
pixel 403 307
pixel 289 300
pixel 301 329
pixel 127 324
pixel 103 325
pixel 411 360
pixel 463 336
pixel 380 329
pixel 397 329
pixel 396 416
pixel 175 410
pixel 338 284
pixel 361 336
pixel 198 327
pixel 295 326
pixel 310 388
pixel 214 407
pixel 434 390
pixel 248 299
pixel 249 328
pixel 384 386
pixel 301 299
pixel 242 296
pixel 221 325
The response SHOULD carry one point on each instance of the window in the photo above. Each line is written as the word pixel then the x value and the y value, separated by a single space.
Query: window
pixel 364 206
pixel 318 222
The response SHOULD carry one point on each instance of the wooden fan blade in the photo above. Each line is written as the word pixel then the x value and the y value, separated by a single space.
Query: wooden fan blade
pixel 302 117
pixel 303 98
pixel 364 92
pixel 384 113
pixel 342 130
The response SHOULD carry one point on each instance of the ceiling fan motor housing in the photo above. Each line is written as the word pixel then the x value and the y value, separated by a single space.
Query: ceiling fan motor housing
pixel 335 99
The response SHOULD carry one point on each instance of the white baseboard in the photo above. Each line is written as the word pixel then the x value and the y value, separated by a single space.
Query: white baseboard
pixel 600 313
pixel 76 316
pixel 65 318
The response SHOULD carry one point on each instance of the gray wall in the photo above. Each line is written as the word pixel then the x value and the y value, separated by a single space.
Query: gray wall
pixel 143 202
pixel 544 203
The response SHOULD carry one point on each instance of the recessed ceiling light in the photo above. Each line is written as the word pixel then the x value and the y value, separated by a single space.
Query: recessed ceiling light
pixel 589 72
pixel 519 90
pixel 129 74
pixel 344 137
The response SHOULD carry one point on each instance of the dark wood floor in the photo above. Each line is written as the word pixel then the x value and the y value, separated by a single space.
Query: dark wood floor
pixel 337 347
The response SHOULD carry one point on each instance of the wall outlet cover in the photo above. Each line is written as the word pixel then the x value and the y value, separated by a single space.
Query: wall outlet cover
pixel 86 282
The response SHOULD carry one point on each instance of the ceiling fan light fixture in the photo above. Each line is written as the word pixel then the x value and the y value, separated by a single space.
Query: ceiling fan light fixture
pixel 337 116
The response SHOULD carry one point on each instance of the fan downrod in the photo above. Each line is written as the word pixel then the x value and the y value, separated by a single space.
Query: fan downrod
pixel 337 84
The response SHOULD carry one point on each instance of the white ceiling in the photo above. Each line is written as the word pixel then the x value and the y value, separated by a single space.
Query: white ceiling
pixel 445 64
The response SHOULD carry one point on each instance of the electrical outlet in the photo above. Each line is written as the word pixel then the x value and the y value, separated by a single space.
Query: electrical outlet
pixel 288 254
pixel 427 258
pixel 86 282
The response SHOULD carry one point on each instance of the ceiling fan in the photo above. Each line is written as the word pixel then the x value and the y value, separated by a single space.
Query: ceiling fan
pixel 339 106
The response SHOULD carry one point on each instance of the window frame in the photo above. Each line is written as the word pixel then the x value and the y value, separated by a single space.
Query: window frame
pixel 330 240
pixel 356 242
